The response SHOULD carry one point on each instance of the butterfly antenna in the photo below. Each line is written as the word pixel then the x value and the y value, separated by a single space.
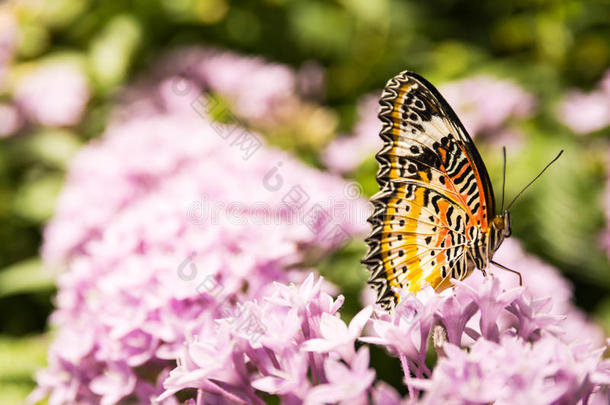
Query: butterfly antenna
pixel 503 267
pixel 503 177
pixel 535 178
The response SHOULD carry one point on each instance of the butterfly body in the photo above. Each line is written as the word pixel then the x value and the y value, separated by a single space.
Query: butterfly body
pixel 434 216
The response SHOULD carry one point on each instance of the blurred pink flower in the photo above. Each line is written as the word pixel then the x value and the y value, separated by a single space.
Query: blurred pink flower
pixel 53 94
pixel 10 120
pixel 584 113
pixel 166 224
pixel 116 383
pixel 256 90
pixel 270 189
pixel 8 42
pixel 484 103
pixel 310 80
pixel 386 395
pixel 587 112
pixel 346 153
pixel 254 87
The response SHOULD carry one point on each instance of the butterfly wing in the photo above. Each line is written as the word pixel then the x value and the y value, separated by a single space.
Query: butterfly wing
pixel 435 194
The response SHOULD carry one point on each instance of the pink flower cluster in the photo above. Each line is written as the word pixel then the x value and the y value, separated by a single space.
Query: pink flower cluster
pixel 8 42
pixel 345 153
pixel 512 371
pixel 168 224
pixel 494 345
pixel 485 348
pixel 288 337
pixel 485 105
pixel 10 119
pixel 587 112
pixel 53 94
pixel 258 91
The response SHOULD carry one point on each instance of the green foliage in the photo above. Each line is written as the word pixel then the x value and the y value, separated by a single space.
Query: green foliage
pixel 28 276
pixel 19 359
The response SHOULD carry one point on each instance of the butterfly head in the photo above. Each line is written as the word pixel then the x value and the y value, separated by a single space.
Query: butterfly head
pixel 500 230
pixel 502 224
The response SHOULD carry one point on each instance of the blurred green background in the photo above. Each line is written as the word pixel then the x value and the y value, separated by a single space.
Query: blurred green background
pixel 547 47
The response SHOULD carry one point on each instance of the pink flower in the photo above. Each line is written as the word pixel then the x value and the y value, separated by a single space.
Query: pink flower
pixel 275 183
pixel 475 310
pixel 405 332
pixel 289 380
pixel 484 103
pixel 541 281
pixel 257 90
pixel 491 301
pixel 243 350
pixel 53 94
pixel 118 382
pixel 346 385
pixel 8 42
pixel 512 372
pixel 183 236
pixel 584 113
pixel 254 86
pixel 385 394
pixel 10 120
pixel 587 112
pixel 454 314
pixel 336 336
pixel 346 153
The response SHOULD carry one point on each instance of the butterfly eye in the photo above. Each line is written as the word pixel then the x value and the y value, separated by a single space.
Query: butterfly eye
pixel 498 222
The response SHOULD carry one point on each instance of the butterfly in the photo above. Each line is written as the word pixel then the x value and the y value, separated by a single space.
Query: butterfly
pixel 434 217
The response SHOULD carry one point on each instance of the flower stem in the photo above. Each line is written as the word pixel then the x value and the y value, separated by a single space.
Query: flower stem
pixel 407 372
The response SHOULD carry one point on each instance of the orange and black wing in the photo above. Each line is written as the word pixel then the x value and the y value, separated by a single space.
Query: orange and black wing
pixel 435 194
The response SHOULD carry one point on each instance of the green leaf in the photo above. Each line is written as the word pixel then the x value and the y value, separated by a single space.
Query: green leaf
pixel 35 200
pixel 61 13
pixel 112 51
pixel 25 277
pixel 54 146
pixel 19 360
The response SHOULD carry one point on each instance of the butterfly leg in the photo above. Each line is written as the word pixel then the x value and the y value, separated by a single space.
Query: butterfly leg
pixel 511 270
